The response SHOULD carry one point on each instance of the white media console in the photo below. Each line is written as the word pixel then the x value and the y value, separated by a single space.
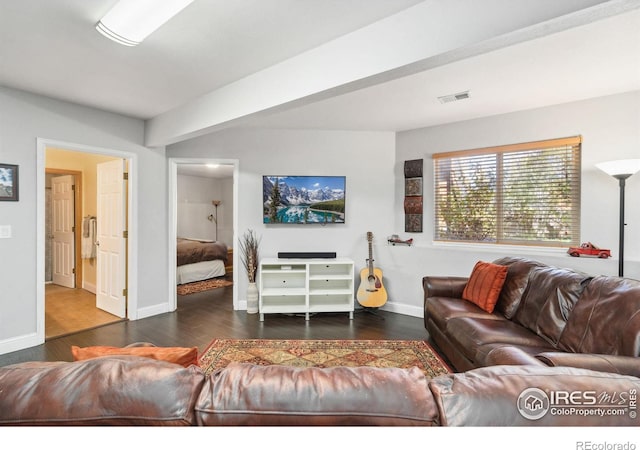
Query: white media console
pixel 305 286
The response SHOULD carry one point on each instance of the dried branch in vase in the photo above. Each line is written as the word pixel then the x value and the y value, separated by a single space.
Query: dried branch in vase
pixel 249 244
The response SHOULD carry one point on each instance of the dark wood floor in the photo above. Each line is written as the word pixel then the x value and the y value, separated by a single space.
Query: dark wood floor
pixel 207 315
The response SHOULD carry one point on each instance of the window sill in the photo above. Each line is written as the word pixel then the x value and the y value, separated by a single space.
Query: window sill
pixel 502 248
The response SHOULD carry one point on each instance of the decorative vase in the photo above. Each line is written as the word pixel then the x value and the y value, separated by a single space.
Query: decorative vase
pixel 252 298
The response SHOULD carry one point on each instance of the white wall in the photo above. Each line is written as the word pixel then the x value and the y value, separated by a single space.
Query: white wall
pixel 610 127
pixel 375 188
pixel 371 161
pixel 194 196
pixel 25 117
pixel 365 158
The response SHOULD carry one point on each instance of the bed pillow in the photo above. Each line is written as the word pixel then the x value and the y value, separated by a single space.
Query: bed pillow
pixel 485 284
pixel 185 356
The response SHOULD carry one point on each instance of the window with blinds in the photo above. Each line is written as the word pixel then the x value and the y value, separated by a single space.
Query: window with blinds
pixel 514 194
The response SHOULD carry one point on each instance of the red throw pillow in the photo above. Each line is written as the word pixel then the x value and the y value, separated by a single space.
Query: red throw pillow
pixel 177 355
pixel 485 284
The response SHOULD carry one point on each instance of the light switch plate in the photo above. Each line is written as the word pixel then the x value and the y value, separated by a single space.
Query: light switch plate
pixel 5 231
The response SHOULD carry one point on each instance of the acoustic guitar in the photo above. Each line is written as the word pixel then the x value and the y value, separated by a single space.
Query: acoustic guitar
pixel 371 293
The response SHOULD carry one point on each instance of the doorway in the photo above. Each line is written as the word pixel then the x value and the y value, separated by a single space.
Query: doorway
pixel 216 213
pixel 63 200
pixel 70 306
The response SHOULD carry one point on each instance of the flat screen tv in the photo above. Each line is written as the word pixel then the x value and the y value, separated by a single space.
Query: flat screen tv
pixel 303 199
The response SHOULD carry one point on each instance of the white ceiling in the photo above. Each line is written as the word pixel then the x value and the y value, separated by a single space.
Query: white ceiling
pixel 50 47
pixel 598 59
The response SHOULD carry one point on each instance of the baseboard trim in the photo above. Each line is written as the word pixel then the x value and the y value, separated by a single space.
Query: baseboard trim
pixel 19 343
pixel 150 311
pixel 89 287
pixel 403 308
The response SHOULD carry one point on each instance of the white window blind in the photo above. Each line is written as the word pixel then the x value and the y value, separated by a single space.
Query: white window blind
pixel 514 194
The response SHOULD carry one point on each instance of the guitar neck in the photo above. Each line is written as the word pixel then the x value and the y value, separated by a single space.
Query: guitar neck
pixel 370 257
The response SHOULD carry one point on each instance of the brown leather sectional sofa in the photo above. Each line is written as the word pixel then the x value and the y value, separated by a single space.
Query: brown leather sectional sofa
pixel 546 316
pixel 560 349
pixel 134 390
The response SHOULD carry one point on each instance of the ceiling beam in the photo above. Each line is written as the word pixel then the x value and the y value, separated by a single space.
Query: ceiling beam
pixel 427 35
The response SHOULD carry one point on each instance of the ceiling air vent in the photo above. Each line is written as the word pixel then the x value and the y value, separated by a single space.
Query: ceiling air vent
pixel 454 97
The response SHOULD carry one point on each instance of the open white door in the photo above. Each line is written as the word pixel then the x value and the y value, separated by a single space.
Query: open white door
pixel 110 241
pixel 63 231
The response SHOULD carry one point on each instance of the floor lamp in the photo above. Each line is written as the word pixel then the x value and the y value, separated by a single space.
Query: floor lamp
pixel 216 203
pixel 621 169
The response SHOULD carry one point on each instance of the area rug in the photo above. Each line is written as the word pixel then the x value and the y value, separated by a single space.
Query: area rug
pixel 324 353
pixel 204 285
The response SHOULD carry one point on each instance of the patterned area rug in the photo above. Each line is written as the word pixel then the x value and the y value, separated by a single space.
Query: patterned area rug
pixel 204 285
pixel 324 353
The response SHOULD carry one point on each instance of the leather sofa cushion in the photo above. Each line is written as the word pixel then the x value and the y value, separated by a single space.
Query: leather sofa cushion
pixel 489 396
pixel 116 390
pixel 625 365
pixel 247 394
pixel 518 270
pixel 501 354
pixel 442 309
pixel 606 320
pixel 549 299
pixel 470 333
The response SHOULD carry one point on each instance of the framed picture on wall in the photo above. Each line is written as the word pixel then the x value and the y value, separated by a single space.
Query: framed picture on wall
pixel 8 182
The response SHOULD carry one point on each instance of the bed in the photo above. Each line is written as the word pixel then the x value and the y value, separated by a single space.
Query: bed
pixel 199 259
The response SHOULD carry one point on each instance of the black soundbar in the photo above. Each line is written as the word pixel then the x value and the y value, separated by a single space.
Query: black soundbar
pixel 306 255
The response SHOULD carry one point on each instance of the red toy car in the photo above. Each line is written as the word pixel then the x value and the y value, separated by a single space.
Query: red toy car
pixel 589 249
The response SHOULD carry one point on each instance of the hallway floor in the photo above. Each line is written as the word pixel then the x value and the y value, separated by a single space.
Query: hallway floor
pixel 71 310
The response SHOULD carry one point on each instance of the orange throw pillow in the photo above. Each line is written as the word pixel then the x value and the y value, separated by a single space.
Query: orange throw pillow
pixel 177 355
pixel 485 284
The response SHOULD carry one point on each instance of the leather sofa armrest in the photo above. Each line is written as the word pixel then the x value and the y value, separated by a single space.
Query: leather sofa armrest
pixel 437 286
pixel 623 365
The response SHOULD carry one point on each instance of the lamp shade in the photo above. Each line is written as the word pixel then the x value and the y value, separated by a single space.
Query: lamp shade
pixel 620 168
pixel 129 22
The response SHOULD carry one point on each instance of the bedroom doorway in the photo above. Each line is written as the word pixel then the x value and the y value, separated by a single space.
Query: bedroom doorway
pixel 203 211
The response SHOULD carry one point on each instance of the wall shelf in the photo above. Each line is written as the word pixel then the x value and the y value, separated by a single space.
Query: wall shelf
pixel 395 240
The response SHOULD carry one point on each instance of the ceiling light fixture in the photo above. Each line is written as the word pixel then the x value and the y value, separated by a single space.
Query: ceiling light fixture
pixel 129 22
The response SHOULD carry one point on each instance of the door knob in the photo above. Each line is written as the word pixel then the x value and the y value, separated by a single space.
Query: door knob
pixel 98 243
